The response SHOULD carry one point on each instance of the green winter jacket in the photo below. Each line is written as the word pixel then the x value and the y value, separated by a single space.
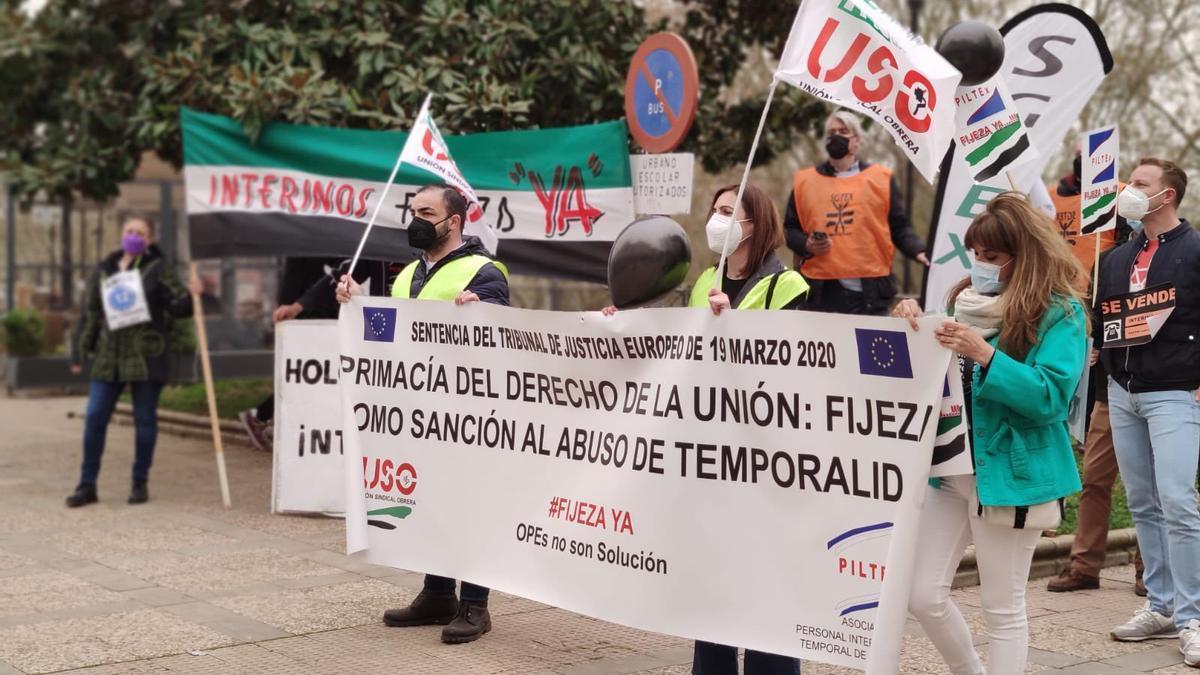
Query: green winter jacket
pixel 135 353
pixel 1022 448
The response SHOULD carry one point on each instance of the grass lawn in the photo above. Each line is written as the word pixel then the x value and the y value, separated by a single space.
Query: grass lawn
pixel 1118 519
pixel 233 396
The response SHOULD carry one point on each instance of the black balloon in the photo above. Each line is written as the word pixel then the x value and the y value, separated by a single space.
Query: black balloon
pixel 649 259
pixel 974 48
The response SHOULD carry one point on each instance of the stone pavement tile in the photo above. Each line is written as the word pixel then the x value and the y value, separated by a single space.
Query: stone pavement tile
pixel 107 577
pixel 503 604
pixel 320 608
pixel 219 570
pixel 1180 669
pixel 74 643
pixel 1053 659
pixel 6 669
pixel 680 657
pixel 135 537
pixel 241 628
pixel 1125 573
pixel 356 563
pixel 240 659
pixel 50 590
pixel 1159 657
pixel 12 561
pixel 406 580
pixel 1097 669
pixel 158 597
pixel 1047 635
pixel 1099 618
pixel 323 580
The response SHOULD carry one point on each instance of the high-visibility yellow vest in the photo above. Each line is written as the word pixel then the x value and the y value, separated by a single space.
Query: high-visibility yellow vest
pixel 449 280
pixel 771 292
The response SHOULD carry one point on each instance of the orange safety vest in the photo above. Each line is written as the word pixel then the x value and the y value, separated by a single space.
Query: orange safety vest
pixel 854 212
pixel 1067 219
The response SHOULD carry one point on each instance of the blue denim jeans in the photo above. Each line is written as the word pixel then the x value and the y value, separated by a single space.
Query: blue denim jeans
pixel 102 399
pixel 1157 438
pixel 714 659
pixel 470 592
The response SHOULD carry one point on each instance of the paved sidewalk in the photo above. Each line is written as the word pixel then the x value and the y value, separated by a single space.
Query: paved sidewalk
pixel 180 585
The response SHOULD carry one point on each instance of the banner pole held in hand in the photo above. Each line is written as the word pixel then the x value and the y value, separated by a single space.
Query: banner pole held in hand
pixel 742 186
pixel 382 198
pixel 206 367
pixel 1096 269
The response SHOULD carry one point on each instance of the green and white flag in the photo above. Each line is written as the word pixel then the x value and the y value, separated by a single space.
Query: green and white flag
pixel 557 198
pixel 1098 203
pixel 990 131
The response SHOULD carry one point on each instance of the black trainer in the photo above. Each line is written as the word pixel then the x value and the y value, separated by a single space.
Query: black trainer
pixel 138 494
pixel 85 493
pixel 472 621
pixel 427 609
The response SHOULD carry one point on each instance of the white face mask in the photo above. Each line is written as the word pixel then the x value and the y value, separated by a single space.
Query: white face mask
pixel 1133 204
pixel 717 231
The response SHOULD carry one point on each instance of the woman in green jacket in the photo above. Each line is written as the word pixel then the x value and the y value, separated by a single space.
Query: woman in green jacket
pixel 123 334
pixel 1021 336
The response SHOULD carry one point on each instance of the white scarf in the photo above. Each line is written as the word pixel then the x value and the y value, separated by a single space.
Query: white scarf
pixel 984 313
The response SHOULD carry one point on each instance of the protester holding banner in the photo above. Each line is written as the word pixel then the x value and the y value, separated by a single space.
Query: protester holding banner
pixel 1149 311
pixel 123 333
pixel 845 219
pixel 1022 335
pixel 453 268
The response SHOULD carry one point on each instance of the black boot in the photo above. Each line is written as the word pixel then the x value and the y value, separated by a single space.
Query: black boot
pixel 138 494
pixel 85 493
pixel 427 609
pixel 472 621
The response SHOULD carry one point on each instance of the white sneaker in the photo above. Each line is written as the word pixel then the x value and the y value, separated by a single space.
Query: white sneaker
pixel 1146 624
pixel 1189 643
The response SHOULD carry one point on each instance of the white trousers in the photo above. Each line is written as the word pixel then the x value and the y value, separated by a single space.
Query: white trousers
pixel 1004 554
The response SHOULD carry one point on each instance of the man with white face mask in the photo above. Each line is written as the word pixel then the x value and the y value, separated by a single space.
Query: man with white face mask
pixel 1153 398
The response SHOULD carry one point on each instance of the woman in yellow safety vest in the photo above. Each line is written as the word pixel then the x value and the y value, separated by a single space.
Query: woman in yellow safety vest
pixel 753 279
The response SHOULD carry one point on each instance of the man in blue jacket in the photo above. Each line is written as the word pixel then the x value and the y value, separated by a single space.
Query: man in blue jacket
pixel 1152 393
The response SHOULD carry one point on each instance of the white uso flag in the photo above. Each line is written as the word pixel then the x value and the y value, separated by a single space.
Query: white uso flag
pixel 426 149
pixel 851 53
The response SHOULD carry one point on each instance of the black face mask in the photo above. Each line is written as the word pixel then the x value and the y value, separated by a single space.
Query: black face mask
pixel 423 234
pixel 1077 167
pixel 837 146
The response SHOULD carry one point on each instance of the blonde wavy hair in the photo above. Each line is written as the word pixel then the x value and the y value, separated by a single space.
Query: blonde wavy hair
pixel 1044 270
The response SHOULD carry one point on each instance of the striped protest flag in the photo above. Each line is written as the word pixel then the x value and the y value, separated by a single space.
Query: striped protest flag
pixel 990 131
pixel 555 198
pixel 1099 187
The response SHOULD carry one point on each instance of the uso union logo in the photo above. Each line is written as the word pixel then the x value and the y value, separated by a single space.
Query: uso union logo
pixel 388 481
pixel 858 554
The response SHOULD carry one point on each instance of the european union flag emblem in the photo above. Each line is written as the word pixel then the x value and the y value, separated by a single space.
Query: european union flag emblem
pixel 379 324
pixel 883 352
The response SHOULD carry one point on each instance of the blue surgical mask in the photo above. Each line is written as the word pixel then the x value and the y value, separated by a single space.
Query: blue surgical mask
pixel 985 277
pixel 1136 226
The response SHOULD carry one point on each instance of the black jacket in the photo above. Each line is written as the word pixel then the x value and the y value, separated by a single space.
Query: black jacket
pixel 1172 361
pixel 489 284
pixel 877 291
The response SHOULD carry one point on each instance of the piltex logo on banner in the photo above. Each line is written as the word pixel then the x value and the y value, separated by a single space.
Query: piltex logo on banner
pixel 390 482
pixel 853 561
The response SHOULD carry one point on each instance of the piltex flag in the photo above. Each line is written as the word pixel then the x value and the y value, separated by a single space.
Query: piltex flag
pixel 556 198
pixel 990 131
pixel 425 149
pixel 851 53
pixel 1098 203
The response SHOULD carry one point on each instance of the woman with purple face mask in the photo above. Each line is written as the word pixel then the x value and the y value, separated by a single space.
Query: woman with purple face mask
pixel 122 333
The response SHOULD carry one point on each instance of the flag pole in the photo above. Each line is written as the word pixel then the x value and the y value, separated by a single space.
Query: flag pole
pixel 762 121
pixel 206 369
pixel 1096 269
pixel 382 198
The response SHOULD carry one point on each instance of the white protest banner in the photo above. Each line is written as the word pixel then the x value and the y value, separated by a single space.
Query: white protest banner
pixel 426 149
pixel 1055 57
pixel 990 132
pixel 851 53
pixel 308 443
pixel 1098 194
pixel 662 183
pixel 124 299
pixel 641 468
